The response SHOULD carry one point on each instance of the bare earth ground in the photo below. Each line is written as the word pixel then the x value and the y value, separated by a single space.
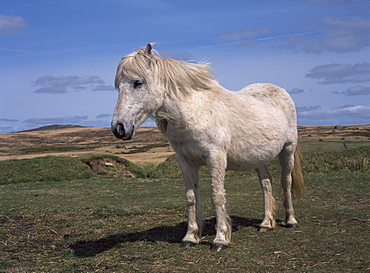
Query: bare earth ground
pixel 148 147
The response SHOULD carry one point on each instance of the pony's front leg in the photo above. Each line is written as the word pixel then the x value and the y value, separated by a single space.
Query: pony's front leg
pixel 265 178
pixel 217 168
pixel 191 180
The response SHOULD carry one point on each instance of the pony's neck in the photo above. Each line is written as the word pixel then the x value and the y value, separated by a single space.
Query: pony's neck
pixel 180 110
pixel 169 113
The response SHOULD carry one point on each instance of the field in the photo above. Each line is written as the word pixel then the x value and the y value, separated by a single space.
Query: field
pixel 149 147
pixel 75 204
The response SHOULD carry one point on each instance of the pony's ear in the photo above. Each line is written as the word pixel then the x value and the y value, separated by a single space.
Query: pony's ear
pixel 148 49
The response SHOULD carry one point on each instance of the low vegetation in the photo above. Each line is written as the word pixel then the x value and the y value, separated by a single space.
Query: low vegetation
pixel 44 149
pixel 352 160
pixel 58 168
pixel 109 164
pixel 49 168
pixel 102 213
pixel 142 149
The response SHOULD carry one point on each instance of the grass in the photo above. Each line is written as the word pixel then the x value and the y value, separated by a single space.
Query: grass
pixel 352 160
pixel 136 170
pixel 142 149
pixel 330 145
pixel 49 168
pixel 106 224
pixel 136 225
pixel 43 149
pixel 57 168
pixel 356 159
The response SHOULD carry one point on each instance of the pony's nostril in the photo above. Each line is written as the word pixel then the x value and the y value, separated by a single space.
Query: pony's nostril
pixel 121 129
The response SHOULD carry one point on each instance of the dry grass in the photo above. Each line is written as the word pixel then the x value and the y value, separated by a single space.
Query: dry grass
pixel 149 147
pixel 339 133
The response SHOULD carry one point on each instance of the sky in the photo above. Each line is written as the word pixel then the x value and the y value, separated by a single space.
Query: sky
pixel 58 58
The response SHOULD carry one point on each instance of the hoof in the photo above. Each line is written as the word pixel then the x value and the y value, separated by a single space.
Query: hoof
pixel 264 229
pixel 291 226
pixel 218 248
pixel 187 244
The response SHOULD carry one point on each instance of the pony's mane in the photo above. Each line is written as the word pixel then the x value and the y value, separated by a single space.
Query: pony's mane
pixel 174 75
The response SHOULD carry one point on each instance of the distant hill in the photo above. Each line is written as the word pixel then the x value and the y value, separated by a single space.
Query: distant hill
pixel 51 127
pixel 148 146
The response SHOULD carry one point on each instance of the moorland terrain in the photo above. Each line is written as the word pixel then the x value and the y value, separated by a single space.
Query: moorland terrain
pixel 125 211
pixel 148 146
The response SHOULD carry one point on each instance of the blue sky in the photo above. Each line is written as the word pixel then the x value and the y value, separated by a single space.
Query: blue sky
pixel 58 58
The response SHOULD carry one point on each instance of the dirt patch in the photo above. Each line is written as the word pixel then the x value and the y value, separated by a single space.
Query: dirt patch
pixel 109 167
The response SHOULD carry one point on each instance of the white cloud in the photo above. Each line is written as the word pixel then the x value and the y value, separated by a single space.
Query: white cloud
pixel 344 34
pixel 291 42
pixel 103 87
pixel 185 56
pixel 355 5
pixel 243 34
pixel 8 120
pixel 296 91
pixel 308 108
pixel 104 116
pixel 62 84
pixel 58 120
pixel 11 25
pixel 341 73
pixel 8 128
pixel 149 123
pixel 64 81
pixel 51 90
pixel 347 114
pixel 355 91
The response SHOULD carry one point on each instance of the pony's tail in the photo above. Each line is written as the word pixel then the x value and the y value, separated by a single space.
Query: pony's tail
pixel 298 186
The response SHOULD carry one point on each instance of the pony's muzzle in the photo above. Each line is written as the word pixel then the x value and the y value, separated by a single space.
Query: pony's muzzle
pixel 121 132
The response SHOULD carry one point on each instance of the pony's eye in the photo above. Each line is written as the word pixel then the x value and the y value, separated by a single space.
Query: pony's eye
pixel 138 84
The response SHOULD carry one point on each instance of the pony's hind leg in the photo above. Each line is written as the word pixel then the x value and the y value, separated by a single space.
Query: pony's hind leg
pixel 191 180
pixel 265 179
pixel 286 158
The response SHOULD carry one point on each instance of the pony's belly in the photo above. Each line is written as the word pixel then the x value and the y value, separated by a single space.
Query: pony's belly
pixel 248 162
pixel 246 166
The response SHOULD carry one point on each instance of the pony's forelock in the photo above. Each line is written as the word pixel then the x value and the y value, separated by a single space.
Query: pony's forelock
pixel 173 74
pixel 129 68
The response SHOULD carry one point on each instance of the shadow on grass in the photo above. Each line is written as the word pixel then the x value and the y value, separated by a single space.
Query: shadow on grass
pixel 170 234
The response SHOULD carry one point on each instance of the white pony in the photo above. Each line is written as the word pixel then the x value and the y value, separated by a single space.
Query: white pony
pixel 209 125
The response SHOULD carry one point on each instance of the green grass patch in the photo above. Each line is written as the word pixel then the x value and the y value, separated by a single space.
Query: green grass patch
pixel 60 168
pixel 330 146
pixel 111 225
pixel 68 220
pixel 49 168
pixel 354 160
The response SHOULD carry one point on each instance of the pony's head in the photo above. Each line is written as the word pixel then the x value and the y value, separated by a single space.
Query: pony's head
pixel 137 96
pixel 144 80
